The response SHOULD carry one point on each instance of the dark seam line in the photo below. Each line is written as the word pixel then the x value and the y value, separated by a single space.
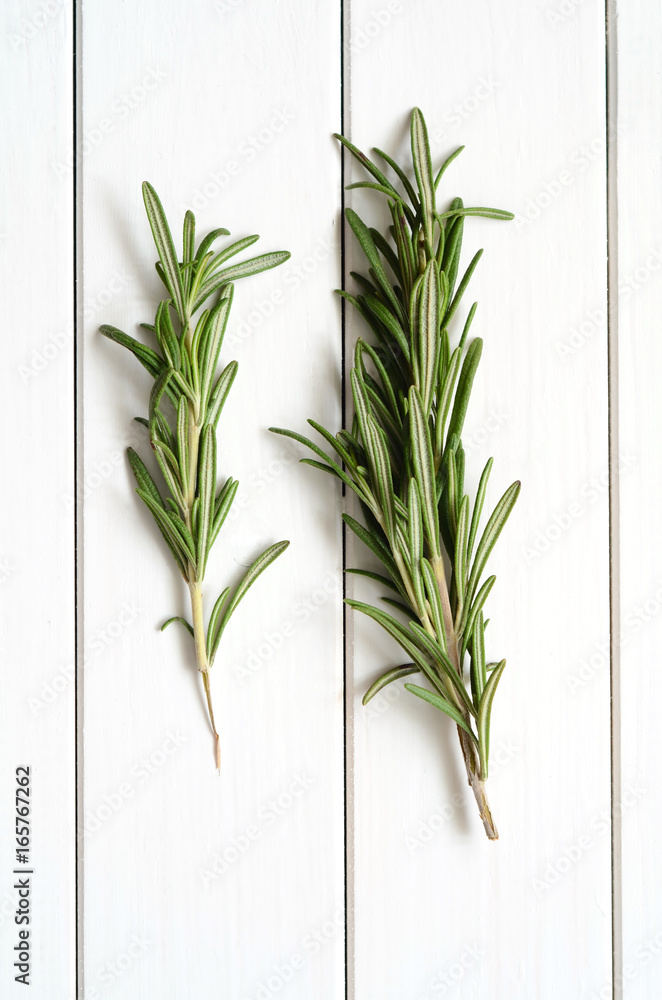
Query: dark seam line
pixel 75 432
pixel 343 403
pixel 78 694
pixel 614 537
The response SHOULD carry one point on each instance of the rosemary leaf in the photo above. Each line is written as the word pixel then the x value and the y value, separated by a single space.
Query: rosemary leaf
pixel 403 454
pixel 191 515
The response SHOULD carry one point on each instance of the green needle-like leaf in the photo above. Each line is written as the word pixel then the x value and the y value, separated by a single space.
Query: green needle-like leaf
pixel 231 251
pixel 170 534
pixel 224 503
pixel 189 247
pixel 182 621
pixel 374 544
pixel 407 640
pixel 485 213
pixel 464 386
pixel 211 347
pixel 478 506
pixel 460 563
pixel 220 392
pixel 213 621
pixel 421 451
pixel 207 488
pixel 402 453
pixel 248 580
pixel 362 234
pixel 484 714
pixel 442 704
pixel 143 478
pixel 467 627
pixel 377 577
pixel 444 665
pixel 165 247
pixel 210 238
pixel 411 194
pixel 148 358
pixel 391 675
pixel 478 670
pixel 492 531
pixel 420 151
pixel 428 333
pixel 253 266
pixel 190 513
pixel 371 167
pixel 444 167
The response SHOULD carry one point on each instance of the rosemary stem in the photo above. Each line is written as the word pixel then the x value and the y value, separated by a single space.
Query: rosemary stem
pixel 477 784
pixel 201 657
pixel 471 760
pixel 449 625
pixel 193 453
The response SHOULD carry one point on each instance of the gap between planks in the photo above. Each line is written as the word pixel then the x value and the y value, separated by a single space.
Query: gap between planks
pixel 611 82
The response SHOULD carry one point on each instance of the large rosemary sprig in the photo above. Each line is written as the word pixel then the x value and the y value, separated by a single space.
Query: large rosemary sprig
pixel 184 407
pixel 404 457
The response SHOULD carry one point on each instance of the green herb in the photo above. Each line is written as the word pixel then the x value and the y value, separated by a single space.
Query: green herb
pixel 184 407
pixel 403 456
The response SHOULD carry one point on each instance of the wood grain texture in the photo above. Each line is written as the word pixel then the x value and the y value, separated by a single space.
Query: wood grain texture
pixel 437 907
pixel 211 886
pixel 194 885
pixel 37 725
pixel 638 634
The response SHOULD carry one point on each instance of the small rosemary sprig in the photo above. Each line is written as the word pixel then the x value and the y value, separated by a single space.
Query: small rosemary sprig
pixel 404 457
pixel 184 407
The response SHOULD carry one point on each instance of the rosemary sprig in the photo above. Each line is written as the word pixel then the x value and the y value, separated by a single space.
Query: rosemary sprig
pixel 403 456
pixel 184 407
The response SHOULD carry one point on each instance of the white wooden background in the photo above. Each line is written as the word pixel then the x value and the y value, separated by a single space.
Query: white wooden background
pixel 338 855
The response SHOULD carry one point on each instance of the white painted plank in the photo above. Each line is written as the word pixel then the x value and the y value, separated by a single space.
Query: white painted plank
pixel 639 633
pixel 37 540
pixel 196 885
pixel 437 907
